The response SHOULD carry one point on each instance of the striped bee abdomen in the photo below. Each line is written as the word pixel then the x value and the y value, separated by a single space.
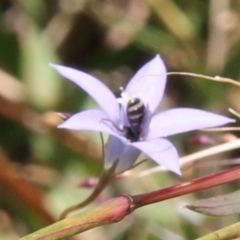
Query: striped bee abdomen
pixel 135 114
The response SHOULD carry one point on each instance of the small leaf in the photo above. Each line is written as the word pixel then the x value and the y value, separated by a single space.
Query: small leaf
pixel 223 205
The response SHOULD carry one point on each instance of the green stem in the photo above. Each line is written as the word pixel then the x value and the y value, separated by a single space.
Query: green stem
pixel 228 232
pixel 119 207
pixel 110 212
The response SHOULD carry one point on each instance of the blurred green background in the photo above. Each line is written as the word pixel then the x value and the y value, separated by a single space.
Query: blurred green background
pixel 42 167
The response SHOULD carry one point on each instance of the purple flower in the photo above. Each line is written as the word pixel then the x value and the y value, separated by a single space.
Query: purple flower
pixel 130 119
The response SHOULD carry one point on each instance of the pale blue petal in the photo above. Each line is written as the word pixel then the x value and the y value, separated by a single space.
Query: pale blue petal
pixel 149 83
pixel 180 120
pixel 162 152
pixel 90 120
pixel 115 150
pixel 94 87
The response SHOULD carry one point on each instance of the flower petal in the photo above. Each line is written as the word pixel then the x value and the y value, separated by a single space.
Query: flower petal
pixel 180 120
pixel 91 120
pixel 118 150
pixel 162 152
pixel 94 87
pixel 148 83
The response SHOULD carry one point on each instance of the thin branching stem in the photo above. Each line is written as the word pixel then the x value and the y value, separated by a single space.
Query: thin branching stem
pixel 216 78
pixel 106 177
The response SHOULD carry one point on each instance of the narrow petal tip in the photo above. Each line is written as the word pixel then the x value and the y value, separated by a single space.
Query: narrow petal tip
pixel 162 152
pixel 177 171
pixel 93 86
pixel 62 125
pixel 54 65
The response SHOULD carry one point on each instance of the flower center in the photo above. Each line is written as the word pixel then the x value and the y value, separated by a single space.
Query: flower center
pixel 132 115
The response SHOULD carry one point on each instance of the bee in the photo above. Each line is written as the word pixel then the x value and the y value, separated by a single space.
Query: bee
pixel 135 112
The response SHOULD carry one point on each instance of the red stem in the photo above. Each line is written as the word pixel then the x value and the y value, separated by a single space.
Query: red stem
pixel 195 185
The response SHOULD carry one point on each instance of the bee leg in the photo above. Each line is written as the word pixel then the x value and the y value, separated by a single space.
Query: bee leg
pixel 120 129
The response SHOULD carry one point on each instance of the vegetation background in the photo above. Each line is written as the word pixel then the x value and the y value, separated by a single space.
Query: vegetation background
pixel 42 169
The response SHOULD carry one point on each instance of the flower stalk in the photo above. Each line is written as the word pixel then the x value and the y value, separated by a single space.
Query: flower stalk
pixel 117 208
